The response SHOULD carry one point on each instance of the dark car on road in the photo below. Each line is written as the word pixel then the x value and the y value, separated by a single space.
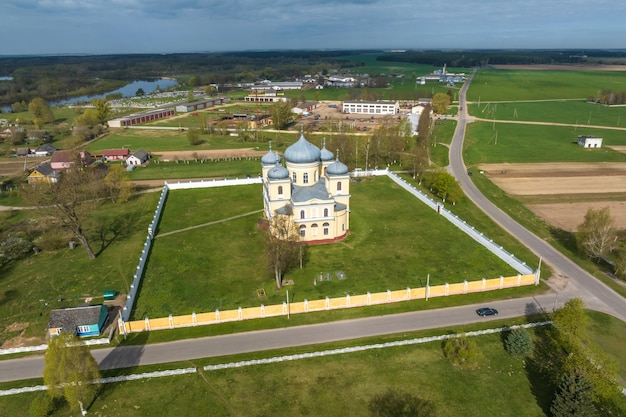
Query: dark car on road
pixel 487 311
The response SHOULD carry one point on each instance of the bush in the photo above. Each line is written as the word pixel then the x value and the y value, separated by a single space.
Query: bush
pixel 519 343
pixel 462 352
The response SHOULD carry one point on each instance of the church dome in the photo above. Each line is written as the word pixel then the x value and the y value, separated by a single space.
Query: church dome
pixel 279 172
pixel 302 152
pixel 325 154
pixel 337 168
pixel 270 158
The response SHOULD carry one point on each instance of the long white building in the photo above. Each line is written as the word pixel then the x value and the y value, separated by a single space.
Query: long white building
pixel 371 107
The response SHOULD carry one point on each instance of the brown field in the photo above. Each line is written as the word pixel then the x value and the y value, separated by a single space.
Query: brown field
pixel 605 182
pixel 210 154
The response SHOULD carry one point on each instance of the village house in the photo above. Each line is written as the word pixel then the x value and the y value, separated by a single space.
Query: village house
pixel 64 159
pixel 45 150
pixel 43 173
pixel 139 157
pixel 116 154
pixel 589 141
pixel 81 321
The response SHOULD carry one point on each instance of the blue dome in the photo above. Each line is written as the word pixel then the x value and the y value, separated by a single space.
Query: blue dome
pixel 302 152
pixel 326 155
pixel 270 158
pixel 337 168
pixel 279 172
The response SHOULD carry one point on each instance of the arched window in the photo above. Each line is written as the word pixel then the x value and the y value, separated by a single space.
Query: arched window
pixel 314 229
pixel 280 190
pixel 325 212
pixel 293 176
pixel 305 178
pixel 326 227
pixel 303 231
pixel 315 176
pixel 339 186
pixel 302 214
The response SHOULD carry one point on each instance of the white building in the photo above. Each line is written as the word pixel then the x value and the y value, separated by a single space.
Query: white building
pixel 589 141
pixel 371 107
pixel 313 188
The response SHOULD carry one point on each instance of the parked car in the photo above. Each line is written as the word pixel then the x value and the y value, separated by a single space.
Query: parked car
pixel 487 311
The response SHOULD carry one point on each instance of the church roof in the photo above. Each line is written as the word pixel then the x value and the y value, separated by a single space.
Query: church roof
pixel 337 168
pixel 325 154
pixel 278 172
pixel 270 158
pixel 302 152
pixel 317 191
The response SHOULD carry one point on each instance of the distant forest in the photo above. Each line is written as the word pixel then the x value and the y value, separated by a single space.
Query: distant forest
pixel 59 77
pixel 479 58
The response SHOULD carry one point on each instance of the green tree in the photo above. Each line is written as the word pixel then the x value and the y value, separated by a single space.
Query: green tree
pixel 41 406
pixel 461 352
pixel 573 397
pixel 71 371
pixel 40 111
pixel 441 102
pixel 194 137
pixel 102 108
pixel 140 92
pixel 519 343
pixel 399 404
pixel 571 322
pixel 117 180
pixel 281 115
pixel 597 235
pixel 19 106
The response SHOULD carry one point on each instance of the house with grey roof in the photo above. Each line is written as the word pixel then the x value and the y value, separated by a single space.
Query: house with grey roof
pixel 81 321
pixel 139 157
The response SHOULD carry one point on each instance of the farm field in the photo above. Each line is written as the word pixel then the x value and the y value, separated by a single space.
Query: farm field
pixel 222 265
pixel 528 84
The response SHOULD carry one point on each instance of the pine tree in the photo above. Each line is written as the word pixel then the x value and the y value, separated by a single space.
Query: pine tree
pixel 573 397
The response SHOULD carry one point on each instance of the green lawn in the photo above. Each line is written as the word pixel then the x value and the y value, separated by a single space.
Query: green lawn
pixel 503 142
pixel 570 112
pixel 536 85
pixel 191 169
pixel 222 265
pixel 342 384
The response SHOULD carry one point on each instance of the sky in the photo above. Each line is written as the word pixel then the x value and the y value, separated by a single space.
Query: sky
pixel 166 26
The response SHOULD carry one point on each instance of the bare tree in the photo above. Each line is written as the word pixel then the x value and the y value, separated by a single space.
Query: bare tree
pixel 597 235
pixel 79 191
pixel 282 245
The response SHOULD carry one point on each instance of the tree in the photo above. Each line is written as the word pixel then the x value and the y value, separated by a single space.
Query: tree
pixel 40 110
pixel 462 352
pixel 597 235
pixel 193 136
pixel 571 322
pixel 282 245
pixel 399 404
pixel 574 397
pixel 140 92
pixel 519 342
pixel 120 188
pixel 102 108
pixel 441 102
pixel 71 371
pixel 70 201
pixel 280 112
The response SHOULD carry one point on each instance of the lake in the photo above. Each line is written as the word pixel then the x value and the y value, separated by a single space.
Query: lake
pixel 128 90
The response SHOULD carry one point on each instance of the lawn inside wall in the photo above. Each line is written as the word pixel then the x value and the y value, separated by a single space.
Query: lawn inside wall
pixel 502 84
pixel 578 112
pixel 234 168
pixel 65 278
pixel 534 143
pixel 395 243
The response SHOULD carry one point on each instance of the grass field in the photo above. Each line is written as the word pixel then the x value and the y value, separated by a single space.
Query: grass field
pixel 193 169
pixel 343 384
pixel 536 143
pixel 222 265
pixel 490 85
pixel 571 112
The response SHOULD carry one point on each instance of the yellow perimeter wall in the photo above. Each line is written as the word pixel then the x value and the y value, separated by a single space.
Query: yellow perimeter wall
pixel 348 301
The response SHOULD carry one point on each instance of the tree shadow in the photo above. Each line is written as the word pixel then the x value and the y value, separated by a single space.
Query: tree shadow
pixel 542 368
pixel 8 296
pixel 565 238
pixel 111 229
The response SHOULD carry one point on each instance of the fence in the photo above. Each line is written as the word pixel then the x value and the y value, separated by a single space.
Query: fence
pixel 307 306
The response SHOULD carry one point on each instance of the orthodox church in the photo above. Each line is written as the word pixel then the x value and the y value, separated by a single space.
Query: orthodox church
pixel 313 187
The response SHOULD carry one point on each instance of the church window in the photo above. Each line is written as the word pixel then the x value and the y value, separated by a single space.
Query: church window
pixel 305 178
pixel 325 212
pixel 280 190
pixel 303 231
pixel 339 186
pixel 302 214
pixel 326 229
pixel 293 176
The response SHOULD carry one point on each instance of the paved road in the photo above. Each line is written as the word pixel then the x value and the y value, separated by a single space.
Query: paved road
pixel 129 356
pixel 578 282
